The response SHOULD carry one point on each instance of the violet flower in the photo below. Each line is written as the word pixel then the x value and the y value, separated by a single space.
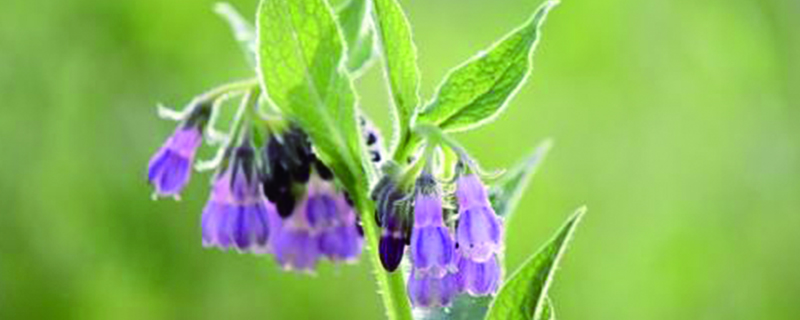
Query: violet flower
pixel 322 224
pixel 479 236
pixel 429 292
pixel 170 168
pixel 479 230
pixel 432 247
pixel 237 213
pixel 478 278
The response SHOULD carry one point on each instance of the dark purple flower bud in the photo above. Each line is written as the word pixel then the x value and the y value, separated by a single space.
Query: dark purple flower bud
pixel 478 278
pixel 237 212
pixel 170 168
pixel 391 249
pixel 391 215
pixel 479 231
pixel 428 292
pixel 432 246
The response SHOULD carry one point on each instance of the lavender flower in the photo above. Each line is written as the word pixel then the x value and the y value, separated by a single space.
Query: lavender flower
pixel 479 235
pixel 333 220
pixel 479 230
pixel 428 291
pixel 478 278
pixel 171 166
pixel 432 246
pixel 323 224
pixel 237 212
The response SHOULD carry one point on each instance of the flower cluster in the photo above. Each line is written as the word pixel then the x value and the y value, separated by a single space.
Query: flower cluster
pixel 449 253
pixel 275 198
pixel 272 194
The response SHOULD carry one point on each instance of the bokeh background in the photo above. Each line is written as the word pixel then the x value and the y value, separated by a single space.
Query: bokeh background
pixel 677 122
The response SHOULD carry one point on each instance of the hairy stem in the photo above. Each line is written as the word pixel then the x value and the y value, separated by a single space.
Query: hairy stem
pixel 391 284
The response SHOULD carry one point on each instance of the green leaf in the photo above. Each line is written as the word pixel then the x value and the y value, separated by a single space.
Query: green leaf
pixel 400 62
pixel 506 192
pixel 352 17
pixel 358 34
pixel 478 90
pixel 524 294
pixel 301 66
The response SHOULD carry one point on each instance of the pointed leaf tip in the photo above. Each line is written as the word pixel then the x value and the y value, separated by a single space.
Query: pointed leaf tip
pixel 477 91
pixel 523 297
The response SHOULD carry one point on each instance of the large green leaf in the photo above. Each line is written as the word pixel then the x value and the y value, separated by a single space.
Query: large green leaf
pixel 523 297
pixel 301 65
pixel 506 192
pixel 400 61
pixel 478 90
pixel 358 34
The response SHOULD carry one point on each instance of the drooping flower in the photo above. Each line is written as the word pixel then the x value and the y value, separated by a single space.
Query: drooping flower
pixel 478 278
pixel 322 225
pixel 479 230
pixel 432 282
pixel 333 220
pixel 479 236
pixel 171 166
pixel 427 291
pixel 237 213
pixel 293 244
pixel 432 246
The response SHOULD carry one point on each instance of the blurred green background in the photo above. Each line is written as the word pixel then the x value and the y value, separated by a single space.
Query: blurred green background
pixel 676 122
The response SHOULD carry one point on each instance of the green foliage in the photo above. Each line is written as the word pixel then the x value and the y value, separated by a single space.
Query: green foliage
pixel 477 91
pixel 506 192
pixel 358 35
pixel 301 64
pixel 524 294
pixel 400 60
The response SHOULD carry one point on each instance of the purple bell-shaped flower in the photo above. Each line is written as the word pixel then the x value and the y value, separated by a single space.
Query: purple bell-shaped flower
pixel 479 237
pixel 428 291
pixel 478 278
pixel 432 281
pixel 171 166
pixel 322 225
pixel 479 232
pixel 237 213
